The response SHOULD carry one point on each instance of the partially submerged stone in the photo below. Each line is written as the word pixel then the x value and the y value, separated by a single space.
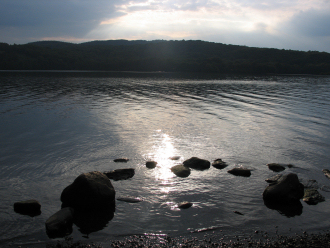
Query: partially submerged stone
pixel 312 197
pixel 240 171
pixel 129 199
pixel 60 224
pixel 219 164
pixel 180 170
pixel 120 174
pixel 175 157
pixel 285 190
pixel 197 163
pixel 326 173
pixel 274 179
pixel 89 191
pixel 276 167
pixel 29 207
pixel 122 160
pixel 185 205
pixel 151 164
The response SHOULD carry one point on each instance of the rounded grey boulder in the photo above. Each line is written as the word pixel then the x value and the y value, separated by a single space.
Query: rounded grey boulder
pixel 89 191
pixel 180 170
pixel 60 224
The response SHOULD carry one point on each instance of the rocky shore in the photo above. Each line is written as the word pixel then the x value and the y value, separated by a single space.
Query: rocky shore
pixel 259 239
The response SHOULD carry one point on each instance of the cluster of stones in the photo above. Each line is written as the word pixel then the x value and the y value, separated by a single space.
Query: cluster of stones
pixel 89 201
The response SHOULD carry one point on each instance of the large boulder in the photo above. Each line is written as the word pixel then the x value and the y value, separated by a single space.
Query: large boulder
pixel 197 163
pixel 60 224
pixel 285 190
pixel 89 191
pixel 29 207
pixel 180 170
pixel 120 174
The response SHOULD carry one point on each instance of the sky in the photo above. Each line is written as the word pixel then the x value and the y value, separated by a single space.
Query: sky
pixel 284 24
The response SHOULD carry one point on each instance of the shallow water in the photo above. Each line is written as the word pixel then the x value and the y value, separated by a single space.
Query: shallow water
pixel 56 125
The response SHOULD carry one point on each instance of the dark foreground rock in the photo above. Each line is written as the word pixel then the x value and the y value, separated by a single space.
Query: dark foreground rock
pixel 197 163
pixel 286 189
pixel 180 170
pixel 240 171
pixel 89 191
pixel 120 174
pixel 219 164
pixel 29 207
pixel 60 224
pixel 151 164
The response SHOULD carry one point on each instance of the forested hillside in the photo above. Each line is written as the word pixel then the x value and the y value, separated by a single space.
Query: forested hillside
pixel 160 55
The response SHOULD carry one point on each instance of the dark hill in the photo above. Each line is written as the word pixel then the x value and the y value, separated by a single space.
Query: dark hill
pixel 160 55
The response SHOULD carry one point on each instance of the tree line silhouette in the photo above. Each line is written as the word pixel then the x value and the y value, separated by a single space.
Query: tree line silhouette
pixel 161 55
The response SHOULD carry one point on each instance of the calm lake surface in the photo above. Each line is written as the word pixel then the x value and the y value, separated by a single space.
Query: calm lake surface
pixel 57 125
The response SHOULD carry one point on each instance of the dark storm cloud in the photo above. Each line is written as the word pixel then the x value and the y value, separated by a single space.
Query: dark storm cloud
pixel 311 23
pixel 54 18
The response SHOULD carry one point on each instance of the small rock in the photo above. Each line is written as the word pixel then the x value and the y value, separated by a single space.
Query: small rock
pixel 180 170
pixel 130 200
pixel 120 174
pixel 197 163
pixel 239 213
pixel 60 223
pixel 276 167
pixel 151 164
pixel 184 205
pixel 29 207
pixel 312 197
pixel 123 160
pixel 326 173
pixel 240 171
pixel 219 164
pixel 274 179
pixel 175 158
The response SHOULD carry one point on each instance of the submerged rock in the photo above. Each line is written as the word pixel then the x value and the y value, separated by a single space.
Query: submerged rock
pixel 89 191
pixel 180 170
pixel 219 164
pixel 175 158
pixel 60 223
pixel 274 179
pixel 285 190
pixel 29 207
pixel 129 199
pixel 151 164
pixel 312 197
pixel 185 205
pixel 240 171
pixel 326 173
pixel 122 160
pixel 120 174
pixel 276 167
pixel 197 163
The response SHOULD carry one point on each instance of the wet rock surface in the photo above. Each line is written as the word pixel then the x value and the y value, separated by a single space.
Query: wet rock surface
pixel 312 197
pixel 240 171
pixel 219 164
pixel 29 207
pixel 151 164
pixel 276 167
pixel 286 189
pixel 89 191
pixel 180 170
pixel 197 163
pixel 120 174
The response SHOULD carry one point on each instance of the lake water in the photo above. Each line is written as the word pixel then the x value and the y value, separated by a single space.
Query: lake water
pixel 57 125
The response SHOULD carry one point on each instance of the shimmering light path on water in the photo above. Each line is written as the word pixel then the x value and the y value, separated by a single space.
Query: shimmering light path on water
pixel 57 125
